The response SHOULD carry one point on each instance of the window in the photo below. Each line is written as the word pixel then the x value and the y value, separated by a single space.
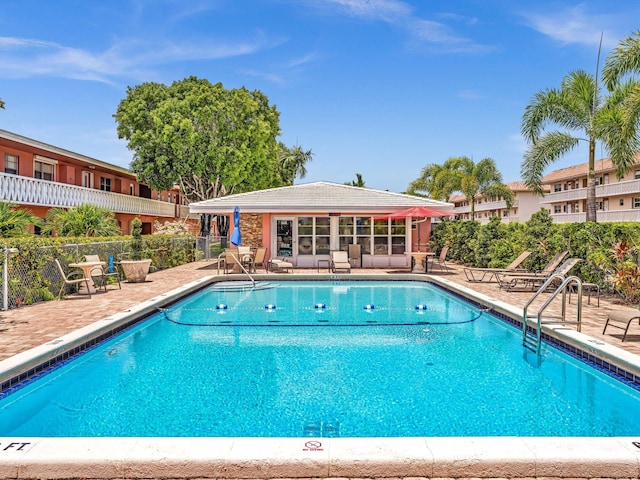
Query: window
pixel 105 184
pixel 600 205
pixel 636 202
pixel 322 234
pixel 132 191
pixel 636 174
pixel 622 202
pixel 10 164
pixel 345 233
pixel 43 170
pixel 557 187
pixel 557 209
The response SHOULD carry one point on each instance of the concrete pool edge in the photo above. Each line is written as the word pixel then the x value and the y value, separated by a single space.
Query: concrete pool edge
pixel 262 458
pixel 454 457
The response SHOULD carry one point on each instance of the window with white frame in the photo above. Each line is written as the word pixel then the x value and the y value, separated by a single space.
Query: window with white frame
pixel 636 202
pixel 557 209
pixel 636 174
pixel 10 163
pixel 105 184
pixel 557 187
pixel 44 170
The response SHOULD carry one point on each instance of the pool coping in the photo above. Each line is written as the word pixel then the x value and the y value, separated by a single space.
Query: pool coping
pixel 446 457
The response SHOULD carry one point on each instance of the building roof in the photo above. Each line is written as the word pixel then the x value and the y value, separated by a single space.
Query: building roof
pixel 603 165
pixel 317 197
pixel 516 186
pixel 46 148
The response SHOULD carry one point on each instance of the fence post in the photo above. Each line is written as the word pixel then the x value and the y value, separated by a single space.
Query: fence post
pixel 5 277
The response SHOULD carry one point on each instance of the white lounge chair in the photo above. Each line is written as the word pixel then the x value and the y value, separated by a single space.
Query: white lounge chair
pixel 340 261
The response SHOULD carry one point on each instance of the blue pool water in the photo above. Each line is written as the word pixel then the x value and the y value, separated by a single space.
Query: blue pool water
pixel 319 362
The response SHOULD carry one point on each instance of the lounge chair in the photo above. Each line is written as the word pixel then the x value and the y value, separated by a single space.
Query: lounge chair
pixel 276 265
pixel 101 273
pixel 486 274
pixel 67 279
pixel 503 277
pixel 340 261
pixel 440 261
pixel 621 319
pixel 535 280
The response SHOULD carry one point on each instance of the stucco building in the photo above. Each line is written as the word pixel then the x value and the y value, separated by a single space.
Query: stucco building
pixel 38 176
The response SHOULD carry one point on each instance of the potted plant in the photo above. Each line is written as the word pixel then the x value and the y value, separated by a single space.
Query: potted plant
pixel 135 267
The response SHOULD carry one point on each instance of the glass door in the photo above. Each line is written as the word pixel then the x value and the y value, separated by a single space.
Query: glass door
pixel 282 244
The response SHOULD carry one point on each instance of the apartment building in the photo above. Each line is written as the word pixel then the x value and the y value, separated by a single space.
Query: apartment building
pixel 38 176
pixel 525 204
pixel 617 200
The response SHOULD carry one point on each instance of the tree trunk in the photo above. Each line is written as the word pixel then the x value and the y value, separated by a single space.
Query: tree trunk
pixel 591 183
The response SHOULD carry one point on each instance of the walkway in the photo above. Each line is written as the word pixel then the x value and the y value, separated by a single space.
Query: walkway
pixel 30 326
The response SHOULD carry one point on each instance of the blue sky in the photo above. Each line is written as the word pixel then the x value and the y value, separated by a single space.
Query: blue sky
pixel 377 87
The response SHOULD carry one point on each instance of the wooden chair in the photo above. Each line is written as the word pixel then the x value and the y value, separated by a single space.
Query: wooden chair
pixel 101 273
pixel 69 280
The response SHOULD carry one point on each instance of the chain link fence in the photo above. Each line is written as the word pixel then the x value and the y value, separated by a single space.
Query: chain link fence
pixel 26 281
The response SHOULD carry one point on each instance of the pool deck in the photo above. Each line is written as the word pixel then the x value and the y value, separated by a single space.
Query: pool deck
pixel 30 327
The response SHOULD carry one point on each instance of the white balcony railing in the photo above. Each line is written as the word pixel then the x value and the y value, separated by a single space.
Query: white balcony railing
pixel 601 216
pixel 33 191
pixel 608 190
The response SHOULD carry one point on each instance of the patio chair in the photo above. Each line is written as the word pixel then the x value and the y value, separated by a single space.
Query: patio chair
pixel 535 280
pixel 503 277
pixel 621 319
pixel 67 279
pixel 478 274
pixel 260 258
pixel 340 261
pixel 100 273
pixel 441 260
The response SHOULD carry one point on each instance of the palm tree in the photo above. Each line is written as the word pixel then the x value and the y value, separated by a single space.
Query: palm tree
pixel 1 103
pixel 578 108
pixel 85 220
pixel 461 174
pixel 14 222
pixel 292 162
pixel 358 182
pixel 625 59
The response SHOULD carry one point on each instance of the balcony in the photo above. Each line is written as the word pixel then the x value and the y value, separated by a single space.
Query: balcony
pixel 601 216
pixel 33 191
pixel 608 190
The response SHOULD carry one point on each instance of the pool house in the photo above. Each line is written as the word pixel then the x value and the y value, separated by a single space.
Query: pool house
pixel 304 223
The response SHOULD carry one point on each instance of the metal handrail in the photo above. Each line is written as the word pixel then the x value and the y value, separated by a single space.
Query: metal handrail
pixel 561 288
pixel 253 282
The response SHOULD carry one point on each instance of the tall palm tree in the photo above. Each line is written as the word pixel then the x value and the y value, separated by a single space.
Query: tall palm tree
pixel 293 162
pixel 461 174
pixel 14 222
pixel 85 220
pixel 1 103
pixel 579 109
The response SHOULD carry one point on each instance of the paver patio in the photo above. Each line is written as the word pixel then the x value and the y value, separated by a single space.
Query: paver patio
pixel 29 326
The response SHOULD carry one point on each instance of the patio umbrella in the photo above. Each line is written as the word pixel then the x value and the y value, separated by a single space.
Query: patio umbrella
pixel 418 211
pixel 236 238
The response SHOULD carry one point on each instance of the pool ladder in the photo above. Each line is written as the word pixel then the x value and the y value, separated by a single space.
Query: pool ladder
pixel 532 335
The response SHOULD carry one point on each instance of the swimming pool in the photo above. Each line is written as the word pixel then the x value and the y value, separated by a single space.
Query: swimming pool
pixel 341 359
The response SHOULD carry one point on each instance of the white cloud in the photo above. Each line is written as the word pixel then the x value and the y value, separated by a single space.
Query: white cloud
pixel 25 58
pixel 401 15
pixel 575 25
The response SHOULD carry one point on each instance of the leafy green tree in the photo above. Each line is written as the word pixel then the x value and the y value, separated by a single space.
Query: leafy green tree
pixel 358 182
pixel 579 109
pixel 85 220
pixel 208 140
pixel 292 162
pixel 14 222
pixel 461 174
pixel 1 103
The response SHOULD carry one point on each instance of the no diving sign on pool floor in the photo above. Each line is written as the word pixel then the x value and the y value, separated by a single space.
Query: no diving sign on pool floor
pixel 313 446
